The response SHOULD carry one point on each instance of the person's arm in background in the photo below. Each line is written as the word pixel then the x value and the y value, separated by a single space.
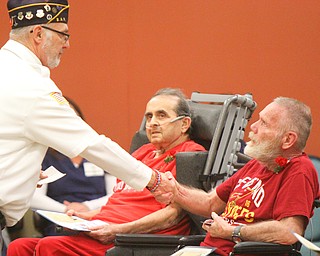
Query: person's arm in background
pixel 109 156
pixel 41 201
pixel 110 182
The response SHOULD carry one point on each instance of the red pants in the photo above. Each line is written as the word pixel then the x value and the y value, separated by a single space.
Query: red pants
pixel 57 246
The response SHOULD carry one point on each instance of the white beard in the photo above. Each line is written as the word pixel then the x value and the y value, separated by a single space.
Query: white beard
pixel 265 151
pixel 53 59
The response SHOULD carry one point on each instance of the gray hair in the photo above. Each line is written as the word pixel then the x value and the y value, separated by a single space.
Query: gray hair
pixel 182 108
pixel 297 118
pixel 22 34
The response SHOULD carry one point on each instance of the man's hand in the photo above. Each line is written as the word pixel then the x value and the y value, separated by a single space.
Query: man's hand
pixel 167 188
pixel 83 215
pixel 104 234
pixel 41 177
pixel 218 227
pixel 79 207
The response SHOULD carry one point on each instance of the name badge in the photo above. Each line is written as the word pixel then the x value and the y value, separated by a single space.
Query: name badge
pixel 91 170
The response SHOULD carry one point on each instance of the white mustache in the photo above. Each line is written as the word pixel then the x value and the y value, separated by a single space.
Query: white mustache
pixel 251 136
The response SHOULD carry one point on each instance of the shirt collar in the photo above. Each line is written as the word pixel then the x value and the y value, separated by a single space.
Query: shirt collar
pixel 26 55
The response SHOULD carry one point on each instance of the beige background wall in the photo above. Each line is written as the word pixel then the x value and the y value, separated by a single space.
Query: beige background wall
pixel 122 51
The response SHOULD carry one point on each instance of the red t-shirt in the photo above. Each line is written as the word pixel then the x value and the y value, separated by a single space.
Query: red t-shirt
pixel 127 204
pixel 255 194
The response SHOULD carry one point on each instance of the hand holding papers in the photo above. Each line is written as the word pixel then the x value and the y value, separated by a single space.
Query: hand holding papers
pixel 53 175
pixel 70 222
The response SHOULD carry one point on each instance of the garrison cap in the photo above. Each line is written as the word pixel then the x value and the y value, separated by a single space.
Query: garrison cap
pixel 24 13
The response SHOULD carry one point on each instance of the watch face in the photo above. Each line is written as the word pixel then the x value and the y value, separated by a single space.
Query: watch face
pixel 236 239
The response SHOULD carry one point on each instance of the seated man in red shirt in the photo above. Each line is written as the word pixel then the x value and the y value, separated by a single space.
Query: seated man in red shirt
pixel 271 195
pixel 168 121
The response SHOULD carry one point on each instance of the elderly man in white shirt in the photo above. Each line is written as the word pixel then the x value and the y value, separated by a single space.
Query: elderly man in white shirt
pixel 34 114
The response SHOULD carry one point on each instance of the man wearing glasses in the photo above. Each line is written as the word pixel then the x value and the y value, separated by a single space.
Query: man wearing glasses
pixel 168 128
pixel 34 115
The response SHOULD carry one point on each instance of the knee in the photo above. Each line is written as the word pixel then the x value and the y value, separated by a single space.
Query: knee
pixel 48 245
pixel 13 247
pixel 22 246
pixel 43 242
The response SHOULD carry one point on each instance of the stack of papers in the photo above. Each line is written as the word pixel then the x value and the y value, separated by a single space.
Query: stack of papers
pixel 70 222
pixel 193 251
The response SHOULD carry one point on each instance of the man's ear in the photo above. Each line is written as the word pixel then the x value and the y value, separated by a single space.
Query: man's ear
pixel 37 34
pixel 186 122
pixel 289 139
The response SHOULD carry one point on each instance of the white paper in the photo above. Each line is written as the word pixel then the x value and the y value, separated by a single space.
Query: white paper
pixel 193 251
pixel 306 243
pixel 70 222
pixel 53 175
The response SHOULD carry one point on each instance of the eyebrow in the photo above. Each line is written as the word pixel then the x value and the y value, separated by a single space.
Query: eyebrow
pixel 161 111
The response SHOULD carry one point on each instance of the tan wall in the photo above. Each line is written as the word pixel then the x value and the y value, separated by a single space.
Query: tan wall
pixel 123 51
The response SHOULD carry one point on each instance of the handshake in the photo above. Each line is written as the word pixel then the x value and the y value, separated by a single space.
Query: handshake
pixel 164 188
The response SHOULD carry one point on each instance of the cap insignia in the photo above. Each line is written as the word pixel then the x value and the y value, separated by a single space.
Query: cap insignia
pixel 40 13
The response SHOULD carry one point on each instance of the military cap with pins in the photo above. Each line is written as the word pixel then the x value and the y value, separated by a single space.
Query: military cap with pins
pixel 24 13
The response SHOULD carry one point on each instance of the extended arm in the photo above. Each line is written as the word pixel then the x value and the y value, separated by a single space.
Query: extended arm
pixel 191 199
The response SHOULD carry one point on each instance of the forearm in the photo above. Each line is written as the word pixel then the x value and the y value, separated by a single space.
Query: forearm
pixel 109 156
pixel 159 220
pixel 197 201
pixel 273 231
pixel 41 201
pixel 46 203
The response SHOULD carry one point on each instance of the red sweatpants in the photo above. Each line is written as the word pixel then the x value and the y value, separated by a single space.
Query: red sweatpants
pixel 57 246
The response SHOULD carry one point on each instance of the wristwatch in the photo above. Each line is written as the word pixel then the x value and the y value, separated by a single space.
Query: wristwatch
pixel 236 236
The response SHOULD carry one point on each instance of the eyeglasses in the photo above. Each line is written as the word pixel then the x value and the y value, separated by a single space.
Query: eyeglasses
pixel 66 36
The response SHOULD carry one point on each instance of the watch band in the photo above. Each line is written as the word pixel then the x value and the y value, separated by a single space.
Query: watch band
pixel 236 235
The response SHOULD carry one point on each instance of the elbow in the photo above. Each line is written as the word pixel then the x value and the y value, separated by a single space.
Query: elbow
pixel 175 217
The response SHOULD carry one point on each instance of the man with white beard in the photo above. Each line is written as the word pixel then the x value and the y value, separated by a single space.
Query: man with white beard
pixel 271 196
pixel 34 114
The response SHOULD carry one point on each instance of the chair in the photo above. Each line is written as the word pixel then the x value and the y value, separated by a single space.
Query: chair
pixel 259 248
pixel 312 232
pixel 218 124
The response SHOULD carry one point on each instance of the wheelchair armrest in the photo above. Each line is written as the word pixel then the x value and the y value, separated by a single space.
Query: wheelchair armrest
pixel 316 203
pixel 191 240
pixel 261 248
pixel 144 245
pixel 149 240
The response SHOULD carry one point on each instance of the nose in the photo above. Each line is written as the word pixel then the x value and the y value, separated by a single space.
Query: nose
pixel 254 127
pixel 67 44
pixel 153 122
